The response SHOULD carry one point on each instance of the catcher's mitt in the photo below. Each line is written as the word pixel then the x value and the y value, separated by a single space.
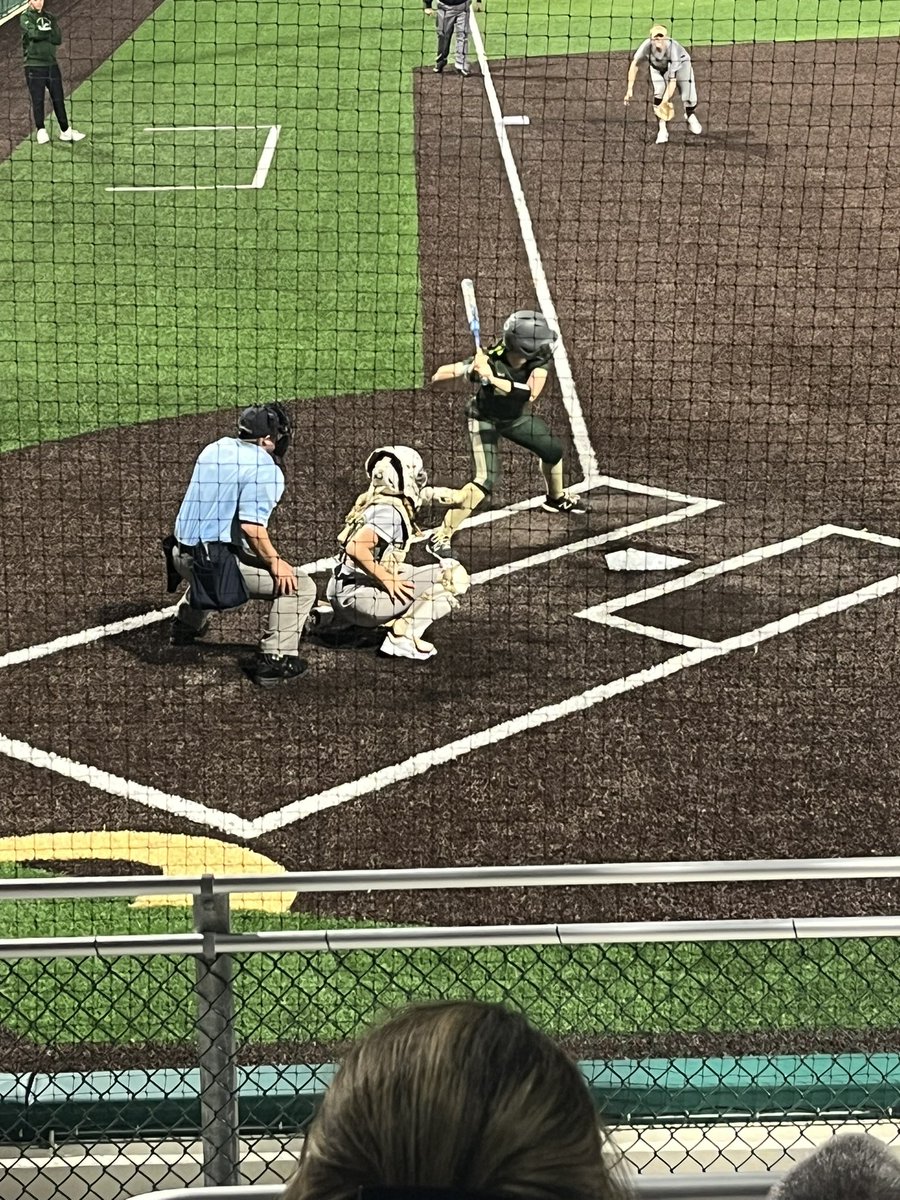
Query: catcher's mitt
pixel 665 110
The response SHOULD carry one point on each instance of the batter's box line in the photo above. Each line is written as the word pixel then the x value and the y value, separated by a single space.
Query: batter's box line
pixel 83 637
pixel 260 175
pixel 230 823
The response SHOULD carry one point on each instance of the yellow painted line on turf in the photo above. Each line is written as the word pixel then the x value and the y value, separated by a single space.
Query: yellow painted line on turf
pixel 171 853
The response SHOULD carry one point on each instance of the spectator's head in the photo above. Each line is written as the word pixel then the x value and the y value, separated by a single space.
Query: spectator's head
pixel 461 1096
pixel 851 1166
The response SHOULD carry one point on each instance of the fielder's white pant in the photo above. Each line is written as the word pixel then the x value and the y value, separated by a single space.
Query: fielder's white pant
pixel 687 85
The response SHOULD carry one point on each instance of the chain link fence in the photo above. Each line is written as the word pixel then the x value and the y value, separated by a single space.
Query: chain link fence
pixel 134 1062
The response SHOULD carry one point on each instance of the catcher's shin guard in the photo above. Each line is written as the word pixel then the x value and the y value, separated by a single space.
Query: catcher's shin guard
pixel 439 601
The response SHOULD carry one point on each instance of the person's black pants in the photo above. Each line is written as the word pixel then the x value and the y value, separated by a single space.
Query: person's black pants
pixel 47 78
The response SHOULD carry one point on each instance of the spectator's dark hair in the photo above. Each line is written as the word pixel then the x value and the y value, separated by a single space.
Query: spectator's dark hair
pixel 851 1166
pixel 456 1095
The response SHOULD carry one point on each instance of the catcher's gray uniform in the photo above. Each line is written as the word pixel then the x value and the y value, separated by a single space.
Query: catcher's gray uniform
pixel 355 597
pixel 671 61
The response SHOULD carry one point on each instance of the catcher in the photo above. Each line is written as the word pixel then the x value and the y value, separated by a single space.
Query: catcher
pixel 511 375
pixel 670 70
pixel 372 586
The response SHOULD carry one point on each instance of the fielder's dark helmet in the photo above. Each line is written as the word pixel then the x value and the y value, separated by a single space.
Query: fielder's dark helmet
pixel 529 332
pixel 267 420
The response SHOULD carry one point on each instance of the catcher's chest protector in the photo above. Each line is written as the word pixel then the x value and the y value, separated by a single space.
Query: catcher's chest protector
pixel 355 521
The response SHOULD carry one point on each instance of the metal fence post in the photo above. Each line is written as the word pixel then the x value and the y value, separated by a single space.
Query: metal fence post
pixel 216 1043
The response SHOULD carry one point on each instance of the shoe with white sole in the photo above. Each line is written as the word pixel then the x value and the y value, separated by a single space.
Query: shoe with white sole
pixel 662 136
pixel 407 647
pixel 694 125
pixel 42 136
pixel 441 549
pixel 567 504
pixel 71 135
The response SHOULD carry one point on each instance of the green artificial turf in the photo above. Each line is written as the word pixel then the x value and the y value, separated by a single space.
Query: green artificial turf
pixel 123 307
pixel 727 987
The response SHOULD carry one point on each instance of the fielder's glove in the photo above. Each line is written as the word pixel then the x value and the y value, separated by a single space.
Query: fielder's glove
pixel 665 110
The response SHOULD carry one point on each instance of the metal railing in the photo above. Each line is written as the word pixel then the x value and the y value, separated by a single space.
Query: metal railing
pixel 226 1037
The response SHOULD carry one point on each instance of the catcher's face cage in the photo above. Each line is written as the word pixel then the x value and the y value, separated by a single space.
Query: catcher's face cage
pixel 529 332
pixel 408 466
pixel 267 420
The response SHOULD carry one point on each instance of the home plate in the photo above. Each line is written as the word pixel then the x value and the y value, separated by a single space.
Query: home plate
pixel 642 560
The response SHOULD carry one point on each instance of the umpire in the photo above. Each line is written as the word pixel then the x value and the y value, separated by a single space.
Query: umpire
pixel 234 488
pixel 40 37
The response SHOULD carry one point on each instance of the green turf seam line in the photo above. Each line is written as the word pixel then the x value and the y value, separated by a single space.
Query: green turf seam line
pixel 142 1103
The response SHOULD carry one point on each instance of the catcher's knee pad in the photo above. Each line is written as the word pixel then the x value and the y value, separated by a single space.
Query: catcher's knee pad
pixel 455 580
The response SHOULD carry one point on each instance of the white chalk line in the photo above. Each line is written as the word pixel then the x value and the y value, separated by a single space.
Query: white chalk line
pixel 83 637
pixel 420 763
pixel 263 165
pixel 580 437
pixel 201 814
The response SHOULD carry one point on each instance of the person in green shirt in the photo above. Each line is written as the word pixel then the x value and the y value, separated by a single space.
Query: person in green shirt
pixel 510 377
pixel 40 37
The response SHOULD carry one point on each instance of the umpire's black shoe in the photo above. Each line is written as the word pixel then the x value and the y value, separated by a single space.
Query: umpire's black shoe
pixel 438 70
pixel 272 669
pixel 183 635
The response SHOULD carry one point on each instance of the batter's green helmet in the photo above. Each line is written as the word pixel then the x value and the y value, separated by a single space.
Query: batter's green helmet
pixel 529 332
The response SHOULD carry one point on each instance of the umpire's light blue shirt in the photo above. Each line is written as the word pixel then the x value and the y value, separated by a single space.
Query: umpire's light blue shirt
pixel 233 481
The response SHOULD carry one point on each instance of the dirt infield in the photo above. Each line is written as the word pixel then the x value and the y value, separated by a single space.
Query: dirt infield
pixel 728 302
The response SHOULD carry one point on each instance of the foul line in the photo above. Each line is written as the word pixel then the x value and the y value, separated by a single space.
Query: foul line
pixel 580 437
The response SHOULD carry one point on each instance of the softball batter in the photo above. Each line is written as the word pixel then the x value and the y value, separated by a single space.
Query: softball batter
pixel 511 375
pixel 670 70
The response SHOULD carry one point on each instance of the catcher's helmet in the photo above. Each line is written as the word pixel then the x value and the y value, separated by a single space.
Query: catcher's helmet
pixel 529 332
pixel 397 471
pixel 267 420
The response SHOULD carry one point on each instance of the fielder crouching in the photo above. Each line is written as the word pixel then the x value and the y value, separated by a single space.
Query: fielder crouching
pixel 372 586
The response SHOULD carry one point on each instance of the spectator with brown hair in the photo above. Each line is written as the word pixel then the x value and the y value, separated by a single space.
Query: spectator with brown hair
pixel 457 1096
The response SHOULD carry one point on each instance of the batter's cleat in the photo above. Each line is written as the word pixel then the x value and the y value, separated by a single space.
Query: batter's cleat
pixel 464 71
pixel 71 135
pixel 567 504
pixel 183 635
pixel 662 137
pixel 42 136
pixel 407 647
pixel 272 669
pixel 441 549
pixel 694 125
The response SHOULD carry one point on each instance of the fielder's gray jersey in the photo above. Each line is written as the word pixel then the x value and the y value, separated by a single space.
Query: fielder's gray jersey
pixel 667 61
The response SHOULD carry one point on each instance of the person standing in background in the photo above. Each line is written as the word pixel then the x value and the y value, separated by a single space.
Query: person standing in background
pixel 40 37
pixel 453 18
pixel 671 70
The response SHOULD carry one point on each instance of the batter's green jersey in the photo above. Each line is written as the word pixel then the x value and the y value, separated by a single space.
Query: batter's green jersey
pixel 488 404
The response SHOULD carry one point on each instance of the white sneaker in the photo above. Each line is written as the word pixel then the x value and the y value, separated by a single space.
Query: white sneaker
pixel 42 136
pixel 662 136
pixel 71 135
pixel 407 647
pixel 694 125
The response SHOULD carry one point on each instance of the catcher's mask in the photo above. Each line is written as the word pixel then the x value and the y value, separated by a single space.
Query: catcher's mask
pixel 529 332
pixel 267 420
pixel 397 471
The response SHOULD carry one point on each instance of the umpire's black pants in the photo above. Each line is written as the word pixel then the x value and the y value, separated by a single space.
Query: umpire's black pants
pixel 47 78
